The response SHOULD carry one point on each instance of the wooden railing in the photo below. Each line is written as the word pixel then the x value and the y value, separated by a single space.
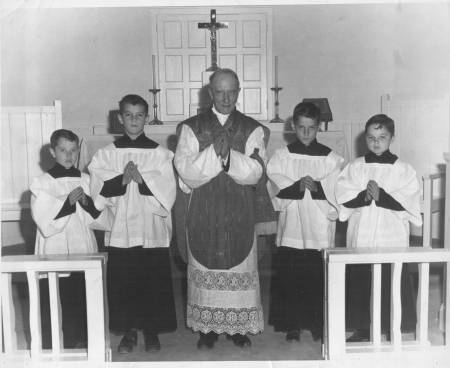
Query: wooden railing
pixel 94 267
pixel 338 259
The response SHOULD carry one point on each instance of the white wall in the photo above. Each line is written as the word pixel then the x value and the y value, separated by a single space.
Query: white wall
pixel 353 54
pixel 90 58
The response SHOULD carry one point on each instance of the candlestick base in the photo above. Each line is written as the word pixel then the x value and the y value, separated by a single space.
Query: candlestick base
pixel 155 121
pixel 276 119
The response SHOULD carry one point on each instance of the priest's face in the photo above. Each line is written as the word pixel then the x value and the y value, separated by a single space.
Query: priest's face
pixel 65 153
pixel 378 138
pixel 306 129
pixel 133 119
pixel 224 92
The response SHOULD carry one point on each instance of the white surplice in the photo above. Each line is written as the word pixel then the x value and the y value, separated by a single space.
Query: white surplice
pixel 68 234
pixel 373 226
pixel 138 220
pixel 307 223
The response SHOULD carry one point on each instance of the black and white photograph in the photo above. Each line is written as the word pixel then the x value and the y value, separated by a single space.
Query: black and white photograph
pixel 225 183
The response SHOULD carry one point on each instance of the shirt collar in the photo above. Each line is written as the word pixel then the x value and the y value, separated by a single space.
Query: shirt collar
pixel 222 117
pixel 141 141
pixel 313 149
pixel 385 158
pixel 59 171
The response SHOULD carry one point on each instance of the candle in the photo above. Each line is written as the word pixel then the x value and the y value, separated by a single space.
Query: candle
pixel 276 71
pixel 154 71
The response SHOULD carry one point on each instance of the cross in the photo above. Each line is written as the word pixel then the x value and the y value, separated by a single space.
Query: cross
pixel 212 26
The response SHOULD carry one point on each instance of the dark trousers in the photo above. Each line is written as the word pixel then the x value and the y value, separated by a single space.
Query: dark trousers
pixel 72 292
pixel 358 297
pixel 297 290
pixel 140 292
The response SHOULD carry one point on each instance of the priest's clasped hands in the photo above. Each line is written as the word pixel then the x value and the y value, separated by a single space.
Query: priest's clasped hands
pixel 308 182
pixel 77 195
pixel 222 145
pixel 373 191
pixel 131 173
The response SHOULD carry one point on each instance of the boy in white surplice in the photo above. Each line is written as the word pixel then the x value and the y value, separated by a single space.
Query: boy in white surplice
pixel 63 212
pixel 378 195
pixel 134 178
pixel 302 176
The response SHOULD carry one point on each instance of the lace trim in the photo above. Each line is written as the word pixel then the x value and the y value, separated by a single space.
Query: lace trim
pixel 216 280
pixel 225 320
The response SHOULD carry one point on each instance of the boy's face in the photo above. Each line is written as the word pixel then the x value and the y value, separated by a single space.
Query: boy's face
pixel 65 153
pixel 133 118
pixel 306 129
pixel 378 139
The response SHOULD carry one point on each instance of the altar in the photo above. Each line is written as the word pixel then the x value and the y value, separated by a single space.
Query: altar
pixel 280 135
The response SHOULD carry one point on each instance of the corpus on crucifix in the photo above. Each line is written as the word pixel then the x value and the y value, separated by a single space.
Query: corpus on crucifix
pixel 212 26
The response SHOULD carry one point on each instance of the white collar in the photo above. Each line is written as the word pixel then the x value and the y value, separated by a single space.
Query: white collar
pixel 222 117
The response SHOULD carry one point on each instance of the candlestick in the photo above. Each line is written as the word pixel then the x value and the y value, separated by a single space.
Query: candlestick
pixel 276 71
pixel 154 71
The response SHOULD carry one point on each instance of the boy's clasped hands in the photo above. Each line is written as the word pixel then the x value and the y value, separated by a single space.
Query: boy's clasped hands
pixel 77 195
pixel 307 182
pixel 131 173
pixel 372 191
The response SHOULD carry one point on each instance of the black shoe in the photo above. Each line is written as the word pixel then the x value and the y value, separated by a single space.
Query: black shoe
pixel 128 342
pixel 293 335
pixel 206 341
pixel 240 340
pixel 151 341
pixel 359 336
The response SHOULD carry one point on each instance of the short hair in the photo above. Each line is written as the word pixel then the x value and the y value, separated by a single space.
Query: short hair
pixel 381 120
pixel 223 71
pixel 132 100
pixel 63 133
pixel 308 110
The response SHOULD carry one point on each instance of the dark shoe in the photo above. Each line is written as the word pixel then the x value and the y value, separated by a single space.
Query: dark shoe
pixel 128 342
pixel 293 335
pixel 206 341
pixel 359 336
pixel 240 340
pixel 151 341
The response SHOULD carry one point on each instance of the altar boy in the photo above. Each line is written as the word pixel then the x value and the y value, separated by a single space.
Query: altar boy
pixel 134 178
pixel 63 212
pixel 379 196
pixel 302 175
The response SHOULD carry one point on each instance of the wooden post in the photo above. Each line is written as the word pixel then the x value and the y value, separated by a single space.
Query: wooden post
pixel 375 326
pixel 95 314
pixel 422 304
pixel 336 310
pixel 396 305
pixel 8 315
pixel 427 214
pixel 447 201
pixel 35 314
pixel 55 314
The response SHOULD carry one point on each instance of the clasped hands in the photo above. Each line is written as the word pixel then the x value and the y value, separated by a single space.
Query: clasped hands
pixel 78 195
pixel 372 191
pixel 131 173
pixel 308 182
pixel 222 145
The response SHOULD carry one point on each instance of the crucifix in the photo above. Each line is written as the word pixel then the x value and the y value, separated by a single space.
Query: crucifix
pixel 213 26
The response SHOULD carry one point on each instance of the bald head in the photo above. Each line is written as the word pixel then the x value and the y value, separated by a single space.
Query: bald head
pixel 224 90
